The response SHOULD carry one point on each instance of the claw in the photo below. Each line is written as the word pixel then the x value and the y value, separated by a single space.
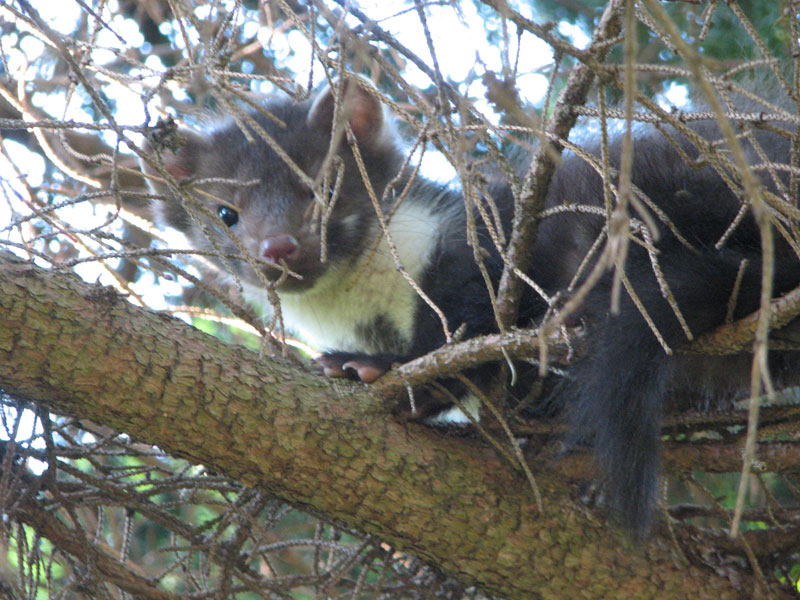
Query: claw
pixel 366 368
pixel 334 371
pixel 366 373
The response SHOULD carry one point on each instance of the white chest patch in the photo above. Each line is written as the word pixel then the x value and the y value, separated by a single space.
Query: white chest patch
pixel 348 299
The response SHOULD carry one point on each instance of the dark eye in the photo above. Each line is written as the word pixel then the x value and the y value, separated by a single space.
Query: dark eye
pixel 229 216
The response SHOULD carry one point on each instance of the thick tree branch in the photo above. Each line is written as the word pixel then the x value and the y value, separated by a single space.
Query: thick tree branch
pixel 81 350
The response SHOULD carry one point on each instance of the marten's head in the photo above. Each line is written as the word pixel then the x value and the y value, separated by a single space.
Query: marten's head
pixel 282 185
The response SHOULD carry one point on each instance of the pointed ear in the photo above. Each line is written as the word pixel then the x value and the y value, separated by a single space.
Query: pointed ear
pixel 362 110
pixel 180 151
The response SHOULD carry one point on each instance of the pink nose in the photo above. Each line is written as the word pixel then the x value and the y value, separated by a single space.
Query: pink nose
pixel 280 247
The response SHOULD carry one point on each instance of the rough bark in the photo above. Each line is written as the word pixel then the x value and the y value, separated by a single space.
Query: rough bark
pixel 82 350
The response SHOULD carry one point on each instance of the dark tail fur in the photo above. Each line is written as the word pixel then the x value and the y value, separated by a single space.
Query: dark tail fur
pixel 615 396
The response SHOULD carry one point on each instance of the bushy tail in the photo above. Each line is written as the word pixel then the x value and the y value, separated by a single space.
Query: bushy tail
pixel 614 400
pixel 614 396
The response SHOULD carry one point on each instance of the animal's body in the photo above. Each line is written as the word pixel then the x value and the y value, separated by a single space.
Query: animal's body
pixel 359 309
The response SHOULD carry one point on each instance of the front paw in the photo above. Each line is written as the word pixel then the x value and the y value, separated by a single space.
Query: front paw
pixel 363 367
